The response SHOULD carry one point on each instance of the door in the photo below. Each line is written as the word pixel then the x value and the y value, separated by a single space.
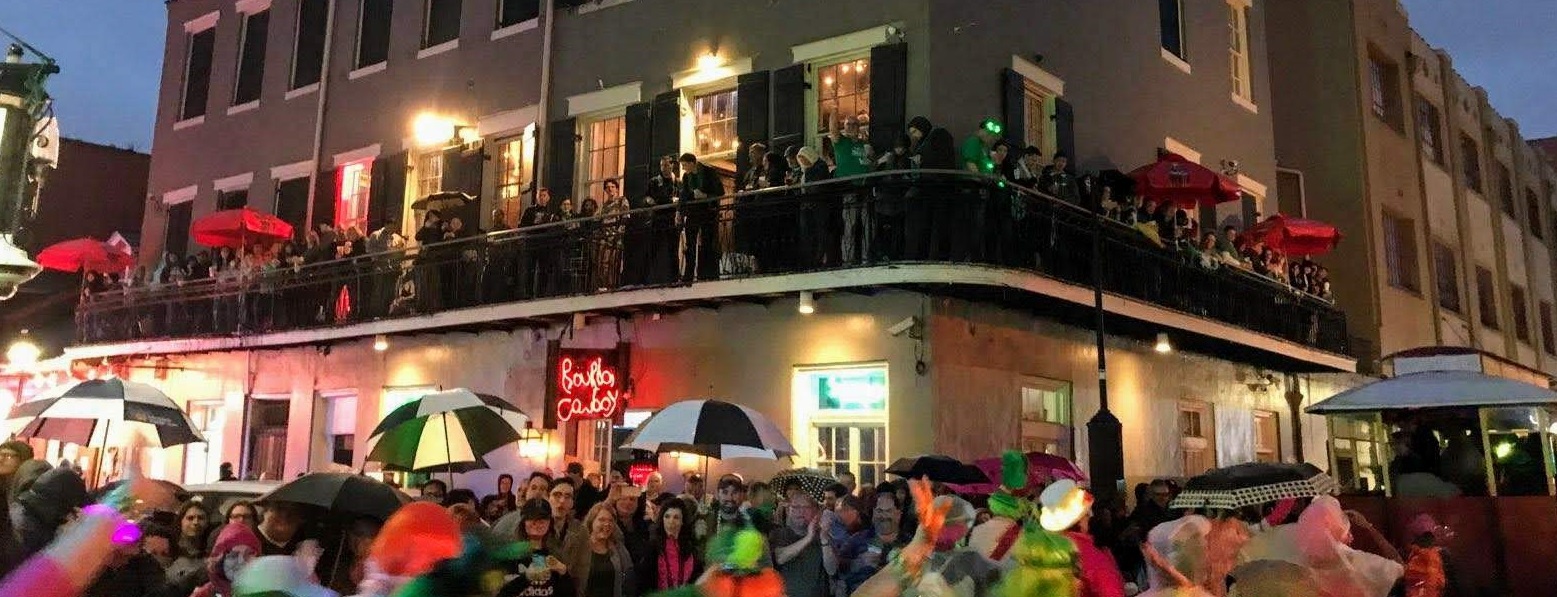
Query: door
pixel 202 460
pixel 267 438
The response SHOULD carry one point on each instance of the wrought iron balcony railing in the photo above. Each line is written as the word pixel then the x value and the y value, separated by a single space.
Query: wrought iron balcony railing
pixel 886 218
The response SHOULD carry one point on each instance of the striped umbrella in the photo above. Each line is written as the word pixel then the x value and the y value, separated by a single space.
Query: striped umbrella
pixel 812 481
pixel 711 428
pixel 445 431
pixel 104 412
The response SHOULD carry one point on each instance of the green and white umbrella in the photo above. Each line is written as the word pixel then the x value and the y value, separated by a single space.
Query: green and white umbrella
pixel 445 431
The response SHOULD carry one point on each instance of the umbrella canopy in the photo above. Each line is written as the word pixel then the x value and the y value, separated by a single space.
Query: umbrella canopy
pixel 1042 469
pixel 812 481
pixel 1189 185
pixel 445 431
pixel 442 200
pixel 1436 389
pixel 479 464
pixel 102 412
pixel 711 428
pixel 239 228
pixel 1296 237
pixel 935 467
pixel 341 493
pixel 1252 484
pixel 84 253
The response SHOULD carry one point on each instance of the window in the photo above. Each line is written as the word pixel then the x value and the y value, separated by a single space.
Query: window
pixel 1197 437
pixel 308 55
pixel 429 173
pixel 233 199
pixel 202 460
pixel 341 423
pixel 513 12
pixel 600 441
pixel 605 153
pixel 1267 436
pixel 442 22
pixel 1039 114
pixel 844 91
pixel 176 239
pixel 1238 48
pixel 1400 252
pixel 1486 300
pixel 1447 277
pixel 1470 161
pixel 251 58
pixel 1046 406
pixel 373 32
pixel 1516 303
pixel 1533 208
pixel 513 165
pixel 1548 341
pixel 197 74
pixel 1429 125
pixel 842 411
pixel 1384 88
pixel 1506 191
pixel 266 437
pixel 1171 15
pixel 352 198
pixel 714 123
pixel 1356 448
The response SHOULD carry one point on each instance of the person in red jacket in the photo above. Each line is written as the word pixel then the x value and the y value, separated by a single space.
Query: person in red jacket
pixel 1066 509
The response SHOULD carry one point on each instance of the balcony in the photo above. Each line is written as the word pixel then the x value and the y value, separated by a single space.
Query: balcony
pixel 966 228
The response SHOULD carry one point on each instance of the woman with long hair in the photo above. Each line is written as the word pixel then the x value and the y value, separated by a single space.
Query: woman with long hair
pixel 599 563
pixel 673 559
pixel 189 552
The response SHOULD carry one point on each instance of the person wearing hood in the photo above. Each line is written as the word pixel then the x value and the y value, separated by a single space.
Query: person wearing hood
pixel 38 512
pixel 236 546
pixel 1176 553
pixel 1066 509
pixel 1319 540
pixel 930 148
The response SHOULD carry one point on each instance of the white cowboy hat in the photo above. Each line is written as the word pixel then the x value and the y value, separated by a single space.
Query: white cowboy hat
pixel 1064 504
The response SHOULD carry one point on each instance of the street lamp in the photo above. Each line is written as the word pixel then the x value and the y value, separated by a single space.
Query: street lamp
pixel 23 103
pixel 23 352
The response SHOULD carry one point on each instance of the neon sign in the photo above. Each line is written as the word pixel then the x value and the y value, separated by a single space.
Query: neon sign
pixel 588 387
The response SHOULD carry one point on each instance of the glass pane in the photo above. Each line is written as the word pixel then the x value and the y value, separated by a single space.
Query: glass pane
pixel 869 476
pixel 1518 463
pixel 869 444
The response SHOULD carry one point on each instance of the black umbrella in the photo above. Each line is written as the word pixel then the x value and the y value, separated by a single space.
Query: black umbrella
pixel 1252 484
pixel 341 493
pixel 442 200
pixel 935 467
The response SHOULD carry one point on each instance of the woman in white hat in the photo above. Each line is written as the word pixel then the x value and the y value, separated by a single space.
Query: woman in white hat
pixel 1067 508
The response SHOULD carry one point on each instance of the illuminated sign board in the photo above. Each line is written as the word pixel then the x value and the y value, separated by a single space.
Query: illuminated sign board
pixel 585 384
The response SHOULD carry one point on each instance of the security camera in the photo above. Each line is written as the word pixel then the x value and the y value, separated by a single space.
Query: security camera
pixel 904 326
pixel 15 268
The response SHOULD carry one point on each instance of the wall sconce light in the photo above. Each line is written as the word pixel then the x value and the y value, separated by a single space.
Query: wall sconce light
pixel 807 302
pixel 710 61
pixel 432 130
pixel 1163 346
pixel 532 441
pixel 380 343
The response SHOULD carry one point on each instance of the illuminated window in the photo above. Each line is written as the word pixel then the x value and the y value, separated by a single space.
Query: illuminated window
pixel 843 90
pixel 352 199
pixel 1197 437
pixel 1238 48
pixel 1046 417
pixel 605 152
pixel 429 173
pixel 513 163
pixel 842 411
pixel 714 123
pixel 341 422
pixel 203 459
pixel 1267 436
pixel 1355 446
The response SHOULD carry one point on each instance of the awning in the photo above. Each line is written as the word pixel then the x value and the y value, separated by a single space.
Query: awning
pixel 1436 389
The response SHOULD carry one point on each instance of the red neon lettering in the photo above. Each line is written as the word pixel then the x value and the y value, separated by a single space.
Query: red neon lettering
pixel 586 390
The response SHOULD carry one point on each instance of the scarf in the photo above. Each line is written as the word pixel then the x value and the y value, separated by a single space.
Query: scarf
pixel 674 571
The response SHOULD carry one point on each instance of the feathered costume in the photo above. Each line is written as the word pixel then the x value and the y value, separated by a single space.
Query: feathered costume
pixel 1037 563
pixel 739 572
pixel 421 552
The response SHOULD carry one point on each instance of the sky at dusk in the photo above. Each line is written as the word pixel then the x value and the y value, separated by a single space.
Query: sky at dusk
pixel 111 53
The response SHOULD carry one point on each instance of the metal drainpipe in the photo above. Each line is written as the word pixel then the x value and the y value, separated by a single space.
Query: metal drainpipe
pixel 541 114
pixel 324 93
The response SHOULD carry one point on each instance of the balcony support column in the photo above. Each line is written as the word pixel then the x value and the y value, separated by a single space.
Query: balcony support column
pixel 1295 404
pixel 1105 434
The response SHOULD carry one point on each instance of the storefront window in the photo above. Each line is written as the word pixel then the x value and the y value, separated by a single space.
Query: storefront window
pixel 1046 417
pixel 341 421
pixel 267 437
pixel 842 412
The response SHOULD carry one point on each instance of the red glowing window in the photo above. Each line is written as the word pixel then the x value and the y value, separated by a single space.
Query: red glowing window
pixel 351 196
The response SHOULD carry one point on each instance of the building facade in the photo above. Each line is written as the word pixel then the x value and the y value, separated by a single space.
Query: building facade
pixel 346 112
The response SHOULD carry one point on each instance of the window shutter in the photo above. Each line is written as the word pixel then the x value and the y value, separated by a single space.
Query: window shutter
pixel 177 237
pixel 324 198
pixel 561 157
pixel 751 118
pixel 888 94
pixel 1065 128
pixel 462 171
pixel 789 107
pixel 640 161
pixel 665 125
pixel 387 185
pixel 292 202
pixel 1013 108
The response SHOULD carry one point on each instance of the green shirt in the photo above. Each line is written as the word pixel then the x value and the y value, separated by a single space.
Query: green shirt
pixel 851 156
pixel 974 152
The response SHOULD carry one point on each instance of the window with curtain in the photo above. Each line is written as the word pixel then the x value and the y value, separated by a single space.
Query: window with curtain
pixel 352 195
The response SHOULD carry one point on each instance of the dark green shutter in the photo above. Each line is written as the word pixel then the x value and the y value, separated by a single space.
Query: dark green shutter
pixel 324 198
pixel 888 94
pixel 1013 108
pixel 1065 128
pixel 789 107
pixel 292 202
pixel 561 157
pixel 386 194
pixel 640 161
pixel 665 128
pixel 751 117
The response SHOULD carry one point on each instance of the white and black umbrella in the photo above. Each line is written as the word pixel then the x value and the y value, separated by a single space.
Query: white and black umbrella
pixel 103 412
pixel 445 431
pixel 711 428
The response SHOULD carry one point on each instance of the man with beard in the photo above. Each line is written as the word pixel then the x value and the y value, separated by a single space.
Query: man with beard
pixel 799 549
pixel 886 537
pixel 727 503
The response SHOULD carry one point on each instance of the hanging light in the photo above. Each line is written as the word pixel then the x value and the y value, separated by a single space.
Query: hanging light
pixel 380 343
pixel 1163 345
pixel 23 352
pixel 807 302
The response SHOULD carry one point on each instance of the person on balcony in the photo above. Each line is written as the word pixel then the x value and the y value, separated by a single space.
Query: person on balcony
pixel 756 175
pixel 700 187
pixel 1058 181
pixel 537 263
pixel 932 149
pixel 814 218
pixel 853 155
pixel 964 217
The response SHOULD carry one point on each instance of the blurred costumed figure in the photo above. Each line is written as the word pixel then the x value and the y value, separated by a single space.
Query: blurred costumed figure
pixel 933 565
pixel 1424 574
pixel 1319 540
pixel 1067 508
pixel 1012 508
pixel 1177 553
pixel 421 552
pixel 1043 565
pixel 739 572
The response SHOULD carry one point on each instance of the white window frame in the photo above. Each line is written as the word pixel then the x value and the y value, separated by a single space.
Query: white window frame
pixel 338 403
pixel 191 29
pixel 234 106
pixel 808 418
pixel 1240 66
pixel 1044 386
pixel 525 172
pixel 428 172
pixel 814 125
pixel 689 126
pixel 586 153
pixel 211 427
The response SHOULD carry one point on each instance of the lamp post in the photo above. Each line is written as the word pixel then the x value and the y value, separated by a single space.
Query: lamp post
pixel 1105 434
pixel 23 102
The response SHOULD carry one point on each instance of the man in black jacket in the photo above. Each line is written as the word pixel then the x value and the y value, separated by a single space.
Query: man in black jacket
pixel 700 187
pixel 931 148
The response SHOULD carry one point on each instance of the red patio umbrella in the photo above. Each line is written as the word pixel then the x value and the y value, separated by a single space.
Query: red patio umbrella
pixel 84 254
pixel 239 228
pixel 1184 183
pixel 1042 469
pixel 1296 237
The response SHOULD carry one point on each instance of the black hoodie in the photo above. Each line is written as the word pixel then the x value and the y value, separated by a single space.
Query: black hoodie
pixel 39 511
